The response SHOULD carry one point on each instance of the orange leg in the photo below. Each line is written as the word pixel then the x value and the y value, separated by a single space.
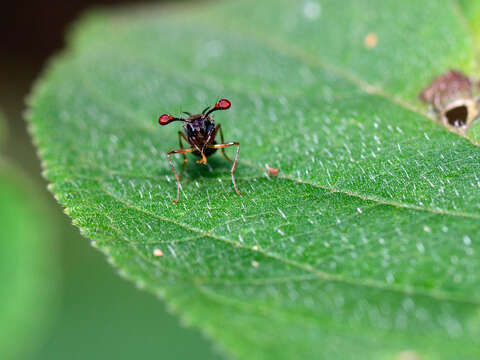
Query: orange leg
pixel 222 146
pixel 217 128
pixel 181 151
pixel 203 160
pixel 185 159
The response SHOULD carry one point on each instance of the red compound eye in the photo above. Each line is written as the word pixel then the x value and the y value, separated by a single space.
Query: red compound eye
pixel 223 104
pixel 165 119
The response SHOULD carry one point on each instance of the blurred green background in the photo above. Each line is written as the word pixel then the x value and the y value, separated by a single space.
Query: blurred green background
pixel 64 300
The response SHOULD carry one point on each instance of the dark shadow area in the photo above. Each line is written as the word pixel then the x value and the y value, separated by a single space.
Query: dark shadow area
pixel 217 166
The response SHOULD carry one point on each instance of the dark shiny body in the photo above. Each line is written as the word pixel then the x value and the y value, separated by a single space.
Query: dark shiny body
pixel 200 131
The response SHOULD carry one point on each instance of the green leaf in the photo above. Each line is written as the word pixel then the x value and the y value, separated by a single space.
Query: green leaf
pixel 26 271
pixel 365 246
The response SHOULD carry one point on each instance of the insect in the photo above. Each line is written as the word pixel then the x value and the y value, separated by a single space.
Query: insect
pixel 452 97
pixel 200 133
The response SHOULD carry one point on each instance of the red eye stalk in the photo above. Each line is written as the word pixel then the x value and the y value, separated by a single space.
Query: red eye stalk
pixel 223 104
pixel 165 119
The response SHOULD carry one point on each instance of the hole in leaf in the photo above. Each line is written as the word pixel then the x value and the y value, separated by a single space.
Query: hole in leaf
pixel 451 95
pixel 457 116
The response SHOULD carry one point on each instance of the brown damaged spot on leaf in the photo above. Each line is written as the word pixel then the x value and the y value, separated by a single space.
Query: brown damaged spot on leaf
pixel 452 97
pixel 272 171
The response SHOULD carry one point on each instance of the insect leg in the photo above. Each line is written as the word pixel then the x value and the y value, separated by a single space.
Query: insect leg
pixel 203 160
pixel 219 128
pixel 185 159
pixel 222 146
pixel 181 151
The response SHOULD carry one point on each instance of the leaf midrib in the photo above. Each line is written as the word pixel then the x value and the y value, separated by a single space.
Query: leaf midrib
pixel 437 295
pixel 396 204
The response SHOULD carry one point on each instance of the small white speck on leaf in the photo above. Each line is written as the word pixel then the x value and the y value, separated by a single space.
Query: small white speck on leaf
pixel 214 48
pixel 255 264
pixel 390 278
pixel 420 247
pixel 282 213
pixel 172 251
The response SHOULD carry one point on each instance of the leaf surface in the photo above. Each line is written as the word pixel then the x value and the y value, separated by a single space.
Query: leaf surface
pixel 365 246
